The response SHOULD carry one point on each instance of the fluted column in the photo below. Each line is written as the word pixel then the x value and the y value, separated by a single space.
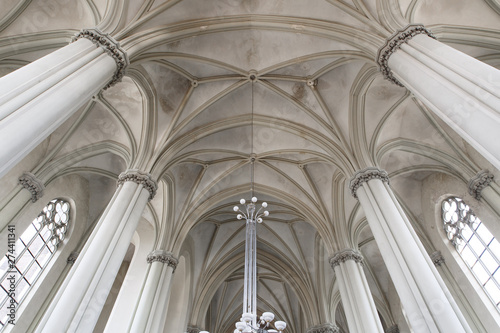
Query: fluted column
pixel 39 97
pixel 356 297
pixel 483 186
pixel 80 299
pixel 31 190
pixel 427 302
pixel 152 309
pixel 325 328
pixel 462 91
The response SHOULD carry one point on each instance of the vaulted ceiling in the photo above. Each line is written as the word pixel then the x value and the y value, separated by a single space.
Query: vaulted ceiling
pixel 291 83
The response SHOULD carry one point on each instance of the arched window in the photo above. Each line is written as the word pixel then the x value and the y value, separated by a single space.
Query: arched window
pixel 475 244
pixel 26 259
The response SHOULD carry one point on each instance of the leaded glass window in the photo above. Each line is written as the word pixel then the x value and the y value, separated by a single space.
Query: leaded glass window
pixel 30 254
pixel 475 244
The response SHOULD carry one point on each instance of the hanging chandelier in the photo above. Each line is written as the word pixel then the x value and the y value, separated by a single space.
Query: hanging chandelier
pixel 248 322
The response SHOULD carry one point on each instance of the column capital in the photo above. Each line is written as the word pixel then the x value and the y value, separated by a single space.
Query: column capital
pixel 479 182
pixel 365 175
pixel 111 47
pixel 344 255
pixel 393 43
pixel 72 257
pixel 392 329
pixel 437 258
pixel 324 328
pixel 141 178
pixel 32 184
pixel 164 257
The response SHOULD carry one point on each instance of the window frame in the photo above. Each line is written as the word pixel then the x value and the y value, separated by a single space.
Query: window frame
pixel 51 228
pixel 454 226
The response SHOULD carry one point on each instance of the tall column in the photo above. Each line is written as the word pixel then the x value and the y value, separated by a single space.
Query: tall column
pixel 356 297
pixel 462 91
pixel 325 328
pixel 80 299
pixel 11 206
pixel 483 186
pixel 39 97
pixel 152 309
pixel 427 302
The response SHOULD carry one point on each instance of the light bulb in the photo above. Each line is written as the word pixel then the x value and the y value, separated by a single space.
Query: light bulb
pixel 242 201
pixel 280 325
pixel 264 204
pixel 240 326
pixel 247 317
pixel 266 213
pixel 254 199
pixel 259 220
pixel 236 331
pixel 203 331
pixel 268 316
pixel 239 216
pixel 236 208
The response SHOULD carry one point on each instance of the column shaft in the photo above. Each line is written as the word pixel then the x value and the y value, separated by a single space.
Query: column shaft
pixel 356 296
pixel 152 309
pixel 428 304
pixel 78 303
pixel 462 91
pixel 39 97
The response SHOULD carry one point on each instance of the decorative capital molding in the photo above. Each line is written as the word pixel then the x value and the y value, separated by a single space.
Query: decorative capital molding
pixel 111 47
pixel 325 328
pixel 72 257
pixel 344 255
pixel 191 329
pixel 437 258
pixel 479 182
pixel 392 329
pixel 163 257
pixel 365 175
pixel 32 184
pixel 393 44
pixel 141 178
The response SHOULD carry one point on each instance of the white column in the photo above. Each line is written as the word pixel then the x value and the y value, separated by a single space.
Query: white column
pixel 80 299
pixel 356 297
pixel 152 309
pixel 34 189
pixel 483 186
pixel 39 97
pixel 427 302
pixel 462 91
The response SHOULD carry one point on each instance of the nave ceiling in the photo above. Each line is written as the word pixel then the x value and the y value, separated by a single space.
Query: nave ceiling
pixel 293 84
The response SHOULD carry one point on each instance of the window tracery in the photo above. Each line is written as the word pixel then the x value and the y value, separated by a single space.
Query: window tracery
pixel 33 251
pixel 479 249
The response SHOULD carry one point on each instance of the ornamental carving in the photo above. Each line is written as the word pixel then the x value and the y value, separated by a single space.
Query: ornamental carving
pixel 325 328
pixel 365 175
pixel 393 44
pixel 437 258
pixel 392 329
pixel 344 255
pixel 141 178
pixel 72 257
pixel 479 182
pixel 32 184
pixel 163 257
pixel 111 47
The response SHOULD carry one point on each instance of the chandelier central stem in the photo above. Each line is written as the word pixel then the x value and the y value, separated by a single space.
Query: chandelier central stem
pixel 250 288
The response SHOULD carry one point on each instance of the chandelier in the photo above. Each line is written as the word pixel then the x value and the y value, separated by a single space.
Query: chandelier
pixel 248 322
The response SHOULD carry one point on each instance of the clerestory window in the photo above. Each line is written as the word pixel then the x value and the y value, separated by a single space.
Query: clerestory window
pixel 475 244
pixel 27 257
